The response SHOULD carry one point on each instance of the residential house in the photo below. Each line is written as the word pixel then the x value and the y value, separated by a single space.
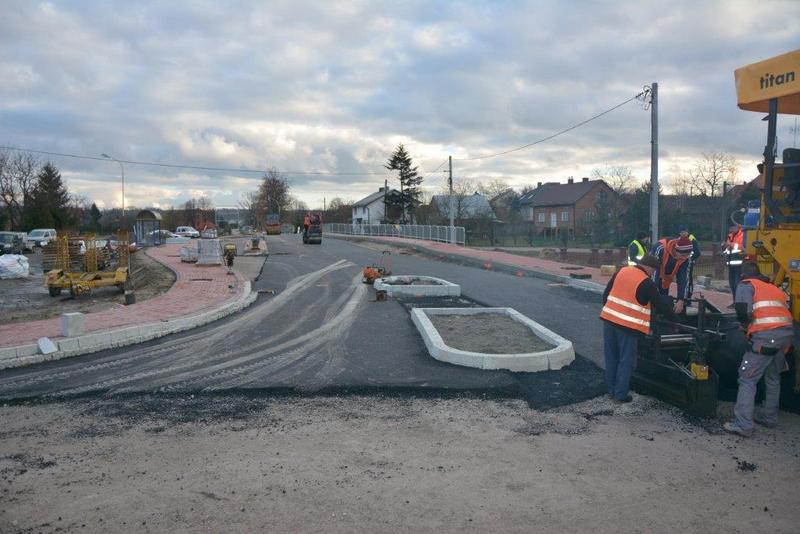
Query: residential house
pixel 371 209
pixel 555 208
pixel 475 206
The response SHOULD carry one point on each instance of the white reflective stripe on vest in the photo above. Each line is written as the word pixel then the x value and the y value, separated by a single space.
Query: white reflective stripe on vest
pixel 627 318
pixel 632 263
pixel 627 304
pixel 771 320
pixel 769 304
pixel 735 262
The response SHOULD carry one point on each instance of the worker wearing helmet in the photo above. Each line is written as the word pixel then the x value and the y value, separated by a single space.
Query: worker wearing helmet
pixel 762 308
pixel 673 257
pixel 628 301
pixel 638 248
pixel 733 250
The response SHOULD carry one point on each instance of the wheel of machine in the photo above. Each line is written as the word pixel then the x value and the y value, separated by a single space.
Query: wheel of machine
pixel 54 291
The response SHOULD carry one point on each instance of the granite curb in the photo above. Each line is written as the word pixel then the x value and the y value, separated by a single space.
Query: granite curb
pixel 120 337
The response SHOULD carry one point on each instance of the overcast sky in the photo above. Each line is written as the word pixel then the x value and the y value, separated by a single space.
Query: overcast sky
pixel 335 86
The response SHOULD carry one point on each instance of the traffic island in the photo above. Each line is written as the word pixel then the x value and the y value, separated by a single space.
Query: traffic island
pixel 491 338
pixel 417 286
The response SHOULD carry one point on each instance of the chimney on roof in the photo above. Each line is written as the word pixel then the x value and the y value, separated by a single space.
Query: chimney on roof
pixel 585 179
pixel 570 180
pixel 539 184
pixel 380 190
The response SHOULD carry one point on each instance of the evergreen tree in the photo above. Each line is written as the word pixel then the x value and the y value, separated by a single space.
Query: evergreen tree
pixel 410 181
pixel 49 200
pixel 95 215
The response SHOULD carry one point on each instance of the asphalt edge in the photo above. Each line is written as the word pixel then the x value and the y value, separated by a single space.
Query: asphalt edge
pixel 22 355
pixel 592 287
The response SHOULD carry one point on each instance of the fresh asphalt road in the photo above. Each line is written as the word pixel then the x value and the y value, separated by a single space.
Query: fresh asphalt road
pixel 323 332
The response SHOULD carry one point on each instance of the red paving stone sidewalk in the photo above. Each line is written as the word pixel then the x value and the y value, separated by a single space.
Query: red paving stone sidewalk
pixel 196 289
pixel 489 257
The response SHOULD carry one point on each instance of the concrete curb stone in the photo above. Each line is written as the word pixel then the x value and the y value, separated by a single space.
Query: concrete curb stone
pixel 516 270
pixel 120 337
pixel 562 354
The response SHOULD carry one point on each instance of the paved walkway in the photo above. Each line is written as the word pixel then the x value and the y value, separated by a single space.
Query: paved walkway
pixel 196 289
pixel 491 257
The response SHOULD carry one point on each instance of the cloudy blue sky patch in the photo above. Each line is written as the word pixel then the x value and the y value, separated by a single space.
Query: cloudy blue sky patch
pixel 334 86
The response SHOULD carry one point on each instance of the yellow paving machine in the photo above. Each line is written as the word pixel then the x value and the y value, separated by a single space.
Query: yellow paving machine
pixel 711 340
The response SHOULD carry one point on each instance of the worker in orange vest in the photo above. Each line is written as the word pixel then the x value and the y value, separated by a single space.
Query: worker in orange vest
pixel 306 224
pixel 628 301
pixel 733 250
pixel 762 308
pixel 673 258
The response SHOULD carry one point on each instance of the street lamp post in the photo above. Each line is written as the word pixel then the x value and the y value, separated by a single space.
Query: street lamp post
pixel 122 168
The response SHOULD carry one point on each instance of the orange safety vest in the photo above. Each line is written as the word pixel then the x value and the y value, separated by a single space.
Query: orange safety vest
pixel 734 256
pixel 769 307
pixel 307 221
pixel 667 279
pixel 622 308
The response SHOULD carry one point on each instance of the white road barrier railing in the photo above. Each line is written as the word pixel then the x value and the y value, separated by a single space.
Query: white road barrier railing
pixel 443 234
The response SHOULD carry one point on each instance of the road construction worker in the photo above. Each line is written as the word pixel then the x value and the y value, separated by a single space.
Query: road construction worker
pixel 762 308
pixel 628 301
pixel 306 224
pixel 683 231
pixel 638 248
pixel 733 250
pixel 673 258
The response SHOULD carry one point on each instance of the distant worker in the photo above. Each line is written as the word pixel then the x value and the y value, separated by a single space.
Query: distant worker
pixel 230 254
pixel 673 256
pixel 733 250
pixel 762 308
pixel 306 224
pixel 683 231
pixel 638 248
pixel 628 301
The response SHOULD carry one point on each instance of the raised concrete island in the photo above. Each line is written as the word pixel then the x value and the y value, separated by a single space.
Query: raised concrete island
pixel 417 286
pixel 561 354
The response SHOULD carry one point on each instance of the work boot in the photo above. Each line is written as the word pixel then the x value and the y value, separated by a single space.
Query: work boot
pixel 624 400
pixel 759 419
pixel 733 428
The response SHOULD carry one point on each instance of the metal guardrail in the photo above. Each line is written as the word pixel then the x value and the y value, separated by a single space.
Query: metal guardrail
pixel 442 234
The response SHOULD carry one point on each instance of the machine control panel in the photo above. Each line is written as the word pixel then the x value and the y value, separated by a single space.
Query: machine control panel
pixel 794 266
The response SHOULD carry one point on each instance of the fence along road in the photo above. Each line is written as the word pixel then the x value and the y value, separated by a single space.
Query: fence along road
pixel 442 234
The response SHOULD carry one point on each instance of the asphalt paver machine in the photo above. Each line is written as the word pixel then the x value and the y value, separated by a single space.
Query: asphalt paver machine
pixel 692 362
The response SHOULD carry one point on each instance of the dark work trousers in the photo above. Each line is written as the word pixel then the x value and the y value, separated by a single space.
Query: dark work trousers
pixel 734 273
pixel 620 352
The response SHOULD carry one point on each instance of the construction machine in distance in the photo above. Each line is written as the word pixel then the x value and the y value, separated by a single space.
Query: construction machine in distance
pixel 313 235
pixel 693 362
pixel 273 224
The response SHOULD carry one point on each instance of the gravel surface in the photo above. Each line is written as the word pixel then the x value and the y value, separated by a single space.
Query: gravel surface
pixel 490 333
pixel 387 464
pixel 27 299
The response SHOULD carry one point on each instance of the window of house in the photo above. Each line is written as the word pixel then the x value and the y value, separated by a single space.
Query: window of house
pixel 541 216
pixel 601 196
pixel 564 216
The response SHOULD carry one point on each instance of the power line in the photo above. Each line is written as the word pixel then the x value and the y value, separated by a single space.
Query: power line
pixel 193 167
pixel 590 119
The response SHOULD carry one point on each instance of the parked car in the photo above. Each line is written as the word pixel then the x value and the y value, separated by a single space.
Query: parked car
pixel 187 231
pixel 10 243
pixel 164 234
pixel 40 237
pixel 210 233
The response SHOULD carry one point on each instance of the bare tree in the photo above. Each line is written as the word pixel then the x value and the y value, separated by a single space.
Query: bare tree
pixel 680 181
pixel 17 182
pixel 618 177
pixel 711 171
pixel 493 188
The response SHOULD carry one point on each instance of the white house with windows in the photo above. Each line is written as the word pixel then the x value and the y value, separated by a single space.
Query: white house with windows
pixel 370 209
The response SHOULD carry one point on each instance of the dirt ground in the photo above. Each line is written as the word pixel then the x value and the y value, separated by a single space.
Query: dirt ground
pixel 27 299
pixel 387 464
pixel 489 333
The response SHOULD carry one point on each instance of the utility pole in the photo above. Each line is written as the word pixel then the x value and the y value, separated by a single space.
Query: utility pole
pixel 654 163
pixel 385 197
pixel 452 201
